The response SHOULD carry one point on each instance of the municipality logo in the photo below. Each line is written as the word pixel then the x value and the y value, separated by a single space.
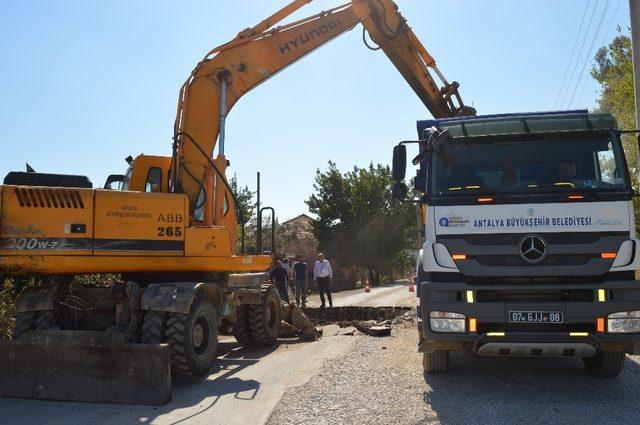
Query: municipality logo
pixel 444 222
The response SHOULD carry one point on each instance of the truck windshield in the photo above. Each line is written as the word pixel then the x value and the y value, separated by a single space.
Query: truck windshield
pixel 529 164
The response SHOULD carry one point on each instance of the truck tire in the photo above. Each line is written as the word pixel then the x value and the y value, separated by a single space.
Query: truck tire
pixel 47 320
pixel 241 329
pixel 154 327
pixel 436 362
pixel 606 364
pixel 24 322
pixel 193 338
pixel 264 318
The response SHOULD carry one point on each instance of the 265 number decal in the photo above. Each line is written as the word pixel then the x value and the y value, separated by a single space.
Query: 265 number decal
pixel 170 231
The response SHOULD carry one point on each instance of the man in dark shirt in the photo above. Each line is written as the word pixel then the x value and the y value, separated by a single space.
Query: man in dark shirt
pixel 278 275
pixel 300 273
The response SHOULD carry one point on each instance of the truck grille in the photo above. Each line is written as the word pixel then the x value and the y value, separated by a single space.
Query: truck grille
pixel 515 260
pixel 49 198
pixel 565 253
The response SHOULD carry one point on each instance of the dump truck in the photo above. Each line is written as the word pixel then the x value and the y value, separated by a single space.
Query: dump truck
pixel 530 245
pixel 168 228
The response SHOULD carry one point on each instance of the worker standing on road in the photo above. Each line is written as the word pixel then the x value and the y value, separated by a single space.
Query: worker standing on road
pixel 278 275
pixel 300 273
pixel 287 267
pixel 322 275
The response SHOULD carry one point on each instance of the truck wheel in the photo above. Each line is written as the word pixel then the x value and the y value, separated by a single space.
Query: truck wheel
pixel 193 338
pixel 47 320
pixel 154 327
pixel 607 364
pixel 436 362
pixel 241 329
pixel 24 323
pixel 264 318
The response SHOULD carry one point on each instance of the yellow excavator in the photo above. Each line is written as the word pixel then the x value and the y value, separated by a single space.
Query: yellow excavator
pixel 169 230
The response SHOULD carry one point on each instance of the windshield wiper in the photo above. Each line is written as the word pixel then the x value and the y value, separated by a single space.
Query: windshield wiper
pixel 569 188
pixel 484 192
pixel 488 192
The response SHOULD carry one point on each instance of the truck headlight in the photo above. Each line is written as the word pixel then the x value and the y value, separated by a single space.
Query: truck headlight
pixel 446 321
pixel 624 322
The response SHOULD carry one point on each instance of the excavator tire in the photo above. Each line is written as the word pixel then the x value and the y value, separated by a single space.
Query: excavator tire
pixel 264 318
pixel 193 338
pixel 154 327
pixel 241 329
pixel 47 320
pixel 24 323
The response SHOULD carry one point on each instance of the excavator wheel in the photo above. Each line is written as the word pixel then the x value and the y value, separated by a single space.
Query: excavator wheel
pixel 24 323
pixel 193 338
pixel 154 327
pixel 241 329
pixel 47 320
pixel 264 318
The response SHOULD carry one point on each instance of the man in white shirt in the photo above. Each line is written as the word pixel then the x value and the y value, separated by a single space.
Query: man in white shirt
pixel 322 275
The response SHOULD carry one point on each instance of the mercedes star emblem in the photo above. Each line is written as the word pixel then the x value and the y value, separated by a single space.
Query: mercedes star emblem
pixel 533 249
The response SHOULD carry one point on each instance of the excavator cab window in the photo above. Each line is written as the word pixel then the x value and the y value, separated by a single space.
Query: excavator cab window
pixel 198 213
pixel 154 180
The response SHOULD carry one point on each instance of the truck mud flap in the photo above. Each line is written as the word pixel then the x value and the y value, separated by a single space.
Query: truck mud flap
pixel 84 366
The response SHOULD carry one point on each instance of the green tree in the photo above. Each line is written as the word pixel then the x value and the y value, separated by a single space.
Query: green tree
pixel 245 208
pixel 358 222
pixel 613 69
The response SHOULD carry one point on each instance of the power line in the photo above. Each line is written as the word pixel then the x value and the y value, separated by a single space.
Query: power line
pixel 604 40
pixel 588 56
pixel 573 49
pixel 584 40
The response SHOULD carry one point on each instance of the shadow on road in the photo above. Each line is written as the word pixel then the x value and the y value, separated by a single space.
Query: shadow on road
pixel 205 393
pixel 490 390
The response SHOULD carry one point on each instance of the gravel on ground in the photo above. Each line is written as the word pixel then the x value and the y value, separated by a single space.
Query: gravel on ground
pixel 380 381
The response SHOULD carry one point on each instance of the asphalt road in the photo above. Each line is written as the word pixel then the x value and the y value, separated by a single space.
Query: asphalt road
pixel 244 389
pixel 390 295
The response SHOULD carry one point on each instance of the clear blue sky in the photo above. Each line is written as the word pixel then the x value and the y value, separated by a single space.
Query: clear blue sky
pixel 86 83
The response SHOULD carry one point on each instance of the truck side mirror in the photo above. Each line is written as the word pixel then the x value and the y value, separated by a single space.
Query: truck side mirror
pixel 435 141
pixel 399 165
pixel 399 191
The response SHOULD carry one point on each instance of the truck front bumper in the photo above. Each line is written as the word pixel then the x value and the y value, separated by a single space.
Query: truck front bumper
pixel 489 305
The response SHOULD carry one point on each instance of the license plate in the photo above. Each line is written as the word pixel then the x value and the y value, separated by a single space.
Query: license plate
pixel 535 317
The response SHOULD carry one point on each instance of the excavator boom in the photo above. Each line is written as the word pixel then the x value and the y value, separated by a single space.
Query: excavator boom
pixel 256 54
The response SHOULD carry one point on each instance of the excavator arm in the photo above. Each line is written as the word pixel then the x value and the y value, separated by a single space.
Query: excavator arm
pixel 232 69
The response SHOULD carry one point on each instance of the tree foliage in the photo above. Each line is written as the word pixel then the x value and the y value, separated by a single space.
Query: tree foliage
pixel 358 222
pixel 245 209
pixel 613 69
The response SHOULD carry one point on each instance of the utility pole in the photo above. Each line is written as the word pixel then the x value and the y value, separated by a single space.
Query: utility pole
pixel 258 217
pixel 634 12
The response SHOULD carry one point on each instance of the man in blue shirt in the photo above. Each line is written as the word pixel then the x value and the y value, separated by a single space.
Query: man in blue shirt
pixel 278 275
